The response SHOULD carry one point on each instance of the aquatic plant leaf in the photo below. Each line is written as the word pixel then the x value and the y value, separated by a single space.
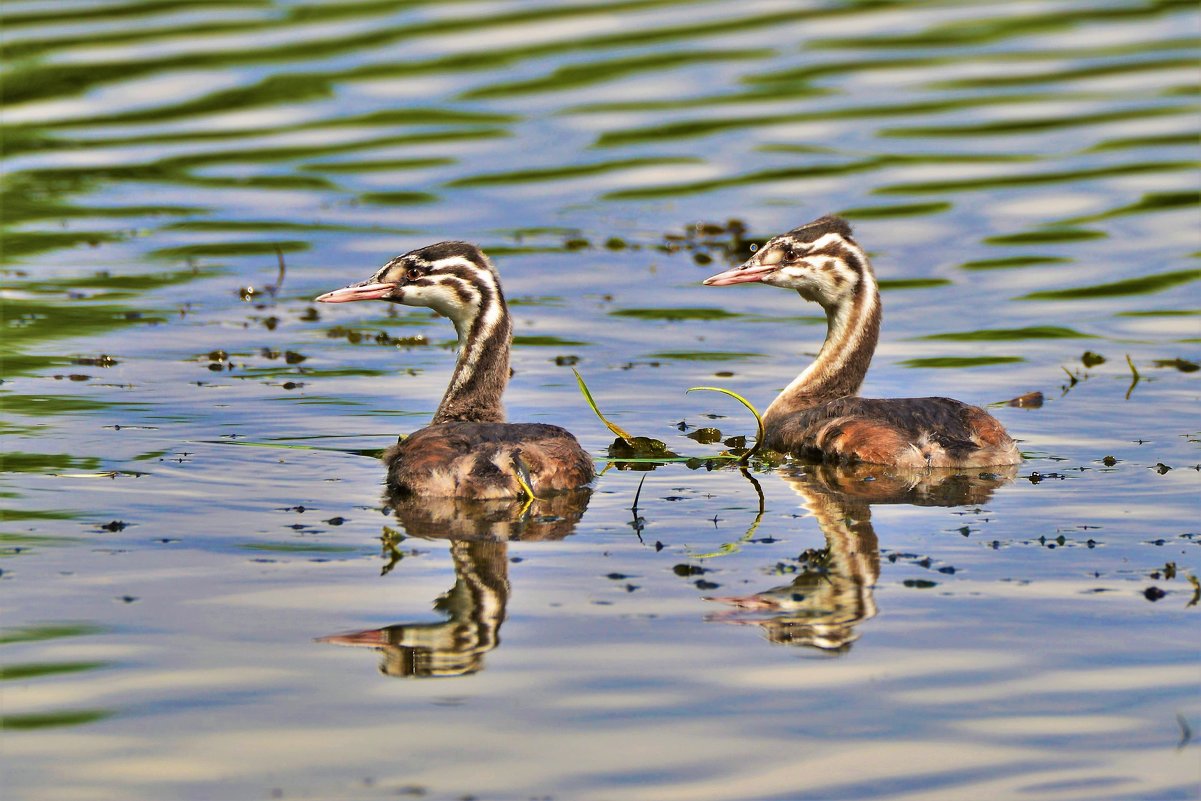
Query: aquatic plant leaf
pixel 49 632
pixel 960 361
pixel 759 437
pixel 616 429
pixel 704 355
pixel 1011 262
pixel 33 670
pixel 676 314
pixel 641 450
pixel 886 284
pixel 1144 285
pixel 1007 334
pixel 46 720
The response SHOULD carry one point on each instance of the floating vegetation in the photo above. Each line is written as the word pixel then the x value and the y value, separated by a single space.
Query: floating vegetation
pixel 1143 285
pixel 1011 334
pixel 960 362
pixel 711 241
pixel 1135 377
pixel 887 284
pixel 50 720
pixel 1183 365
pixel 1014 262
pixel 49 631
pixel 896 210
pixel 705 355
pixel 1031 400
pixel 1045 236
pixel 759 435
pixel 546 341
pixel 706 314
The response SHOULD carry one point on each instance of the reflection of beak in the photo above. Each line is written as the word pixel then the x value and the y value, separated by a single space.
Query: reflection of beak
pixel 742 274
pixel 752 602
pixel 370 637
pixel 361 291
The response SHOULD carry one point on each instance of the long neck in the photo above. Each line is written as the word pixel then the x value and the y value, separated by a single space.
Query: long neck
pixel 853 327
pixel 482 371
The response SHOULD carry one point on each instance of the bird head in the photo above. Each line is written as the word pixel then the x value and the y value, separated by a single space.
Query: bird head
pixel 454 279
pixel 819 260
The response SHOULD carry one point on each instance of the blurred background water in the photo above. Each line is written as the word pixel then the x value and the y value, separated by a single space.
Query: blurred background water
pixel 193 522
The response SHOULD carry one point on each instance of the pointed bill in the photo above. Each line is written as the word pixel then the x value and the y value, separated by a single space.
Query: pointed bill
pixel 742 274
pixel 364 291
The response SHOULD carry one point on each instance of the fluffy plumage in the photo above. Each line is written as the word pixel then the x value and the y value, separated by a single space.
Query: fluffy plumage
pixel 820 414
pixel 469 450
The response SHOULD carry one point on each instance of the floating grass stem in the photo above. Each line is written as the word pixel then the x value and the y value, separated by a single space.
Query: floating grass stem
pixel 1135 377
pixel 746 457
pixel 616 429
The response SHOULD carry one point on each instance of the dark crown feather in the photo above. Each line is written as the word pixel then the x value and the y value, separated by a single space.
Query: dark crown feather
pixel 812 231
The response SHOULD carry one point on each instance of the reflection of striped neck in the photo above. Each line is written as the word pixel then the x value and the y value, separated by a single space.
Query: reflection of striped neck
pixel 853 322
pixel 476 605
pixel 846 596
pixel 485 331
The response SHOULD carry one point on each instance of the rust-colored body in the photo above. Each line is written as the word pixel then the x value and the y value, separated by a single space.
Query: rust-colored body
pixel 820 414
pixel 468 450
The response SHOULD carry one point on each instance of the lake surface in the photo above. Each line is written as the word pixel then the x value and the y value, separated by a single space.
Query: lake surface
pixel 207 595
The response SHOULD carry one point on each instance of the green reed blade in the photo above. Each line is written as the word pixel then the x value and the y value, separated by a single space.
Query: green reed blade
pixel 616 429
pixel 758 419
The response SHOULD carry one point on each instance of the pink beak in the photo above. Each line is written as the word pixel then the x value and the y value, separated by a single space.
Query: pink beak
pixel 363 291
pixel 371 637
pixel 743 274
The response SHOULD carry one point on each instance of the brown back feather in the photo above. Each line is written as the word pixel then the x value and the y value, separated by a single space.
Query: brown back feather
pixel 474 459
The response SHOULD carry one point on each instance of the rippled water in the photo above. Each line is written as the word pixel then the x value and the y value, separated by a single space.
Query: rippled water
pixel 207 595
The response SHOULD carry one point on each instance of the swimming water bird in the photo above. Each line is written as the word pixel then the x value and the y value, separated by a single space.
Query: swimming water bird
pixel 819 414
pixel 468 450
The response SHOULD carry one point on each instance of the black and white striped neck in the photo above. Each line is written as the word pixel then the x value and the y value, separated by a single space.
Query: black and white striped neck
pixel 457 280
pixel 839 277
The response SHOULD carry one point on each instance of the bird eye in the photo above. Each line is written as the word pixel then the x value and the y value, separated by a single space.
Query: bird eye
pixel 413 273
pixel 791 253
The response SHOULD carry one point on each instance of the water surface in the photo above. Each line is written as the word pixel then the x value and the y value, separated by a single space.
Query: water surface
pixel 208 595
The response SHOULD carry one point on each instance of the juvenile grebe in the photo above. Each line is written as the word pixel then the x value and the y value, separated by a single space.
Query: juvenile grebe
pixel 468 449
pixel 819 413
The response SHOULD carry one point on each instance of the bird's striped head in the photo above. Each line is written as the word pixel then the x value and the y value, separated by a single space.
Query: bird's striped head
pixel 820 260
pixel 454 279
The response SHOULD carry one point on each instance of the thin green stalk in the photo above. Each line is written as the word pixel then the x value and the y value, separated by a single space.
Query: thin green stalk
pixel 616 429
pixel 746 457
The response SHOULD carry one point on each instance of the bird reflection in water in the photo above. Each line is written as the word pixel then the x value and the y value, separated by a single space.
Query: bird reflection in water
pixel 479 532
pixel 833 589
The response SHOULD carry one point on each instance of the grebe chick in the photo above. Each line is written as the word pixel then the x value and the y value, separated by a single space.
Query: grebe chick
pixel 819 414
pixel 468 450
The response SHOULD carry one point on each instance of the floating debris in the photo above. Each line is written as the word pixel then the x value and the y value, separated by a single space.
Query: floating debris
pixel 103 360
pixel 1182 365
pixel 1031 400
